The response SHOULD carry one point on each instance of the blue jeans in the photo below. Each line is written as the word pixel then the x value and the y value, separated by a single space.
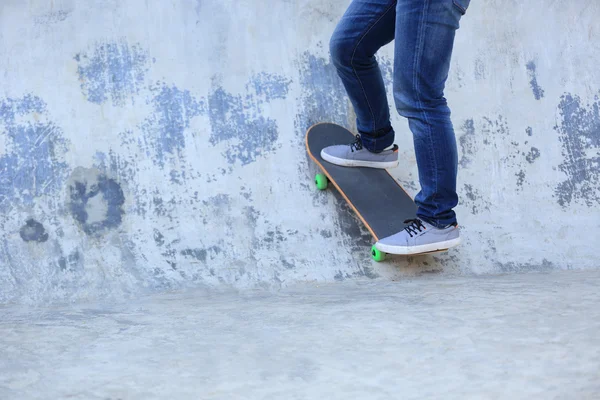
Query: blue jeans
pixel 423 32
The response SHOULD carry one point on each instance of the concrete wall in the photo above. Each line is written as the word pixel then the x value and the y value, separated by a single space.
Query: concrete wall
pixel 148 145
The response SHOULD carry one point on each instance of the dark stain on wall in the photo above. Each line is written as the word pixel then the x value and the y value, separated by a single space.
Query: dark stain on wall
pixel 545 265
pixel 467 142
pixel 538 92
pixel 159 206
pixel 246 192
pixel 52 17
pixel 33 231
pixel 286 264
pixel 364 271
pixel 202 254
pixel 493 128
pixel 274 236
pixel 326 233
pixel 95 201
pixel 71 262
pixel 386 67
pixel 473 199
pixel 159 238
pixel 520 178
pixel 251 214
pixel 479 70
pixel 533 155
pixel 218 208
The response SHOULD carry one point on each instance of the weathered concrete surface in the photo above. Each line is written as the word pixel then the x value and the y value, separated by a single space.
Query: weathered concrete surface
pixel 518 336
pixel 144 146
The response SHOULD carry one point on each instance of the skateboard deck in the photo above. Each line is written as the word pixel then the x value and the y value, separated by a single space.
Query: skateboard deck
pixel 374 195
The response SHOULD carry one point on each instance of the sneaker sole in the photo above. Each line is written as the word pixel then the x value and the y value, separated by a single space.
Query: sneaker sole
pixel 424 248
pixel 358 163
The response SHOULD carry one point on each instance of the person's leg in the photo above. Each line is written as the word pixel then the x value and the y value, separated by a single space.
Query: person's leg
pixel 425 31
pixel 365 27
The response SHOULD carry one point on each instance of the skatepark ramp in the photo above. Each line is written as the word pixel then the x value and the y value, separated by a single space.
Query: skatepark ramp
pixel 146 146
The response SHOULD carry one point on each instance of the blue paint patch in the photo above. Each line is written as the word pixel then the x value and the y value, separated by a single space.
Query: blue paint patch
pixel 387 71
pixel 33 231
pixel 459 76
pixel 479 70
pixel 237 119
pixel 159 206
pixel 520 178
pixel 71 262
pixel 246 193
pixel 112 71
pixel 324 98
pixel 286 264
pixel 511 267
pixel 159 238
pixel 579 132
pixel 220 200
pixel 177 177
pixel 273 236
pixel 112 199
pixel 538 92
pixel 493 128
pixel 234 118
pixel 252 215
pixel 165 129
pixel 30 167
pixel 101 160
pixel 52 17
pixel 472 198
pixel 10 109
pixel 269 86
pixel 467 142
pixel 216 208
pixel 201 254
pixel 533 155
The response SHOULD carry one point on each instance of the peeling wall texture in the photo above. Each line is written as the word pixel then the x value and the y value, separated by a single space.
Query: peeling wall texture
pixel 150 146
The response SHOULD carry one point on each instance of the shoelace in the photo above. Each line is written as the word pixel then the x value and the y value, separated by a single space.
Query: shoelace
pixel 356 145
pixel 415 226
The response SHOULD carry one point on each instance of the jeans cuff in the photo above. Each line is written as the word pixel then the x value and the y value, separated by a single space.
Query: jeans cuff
pixel 378 140
pixel 439 223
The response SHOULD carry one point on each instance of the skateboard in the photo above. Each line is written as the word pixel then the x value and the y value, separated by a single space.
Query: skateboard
pixel 374 195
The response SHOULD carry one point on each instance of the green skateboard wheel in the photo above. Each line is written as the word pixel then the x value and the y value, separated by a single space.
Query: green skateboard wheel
pixel 377 254
pixel 321 181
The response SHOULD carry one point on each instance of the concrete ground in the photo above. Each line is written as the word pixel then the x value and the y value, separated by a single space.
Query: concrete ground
pixel 519 336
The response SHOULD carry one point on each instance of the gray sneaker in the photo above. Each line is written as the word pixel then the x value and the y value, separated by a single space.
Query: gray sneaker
pixel 419 237
pixel 355 155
